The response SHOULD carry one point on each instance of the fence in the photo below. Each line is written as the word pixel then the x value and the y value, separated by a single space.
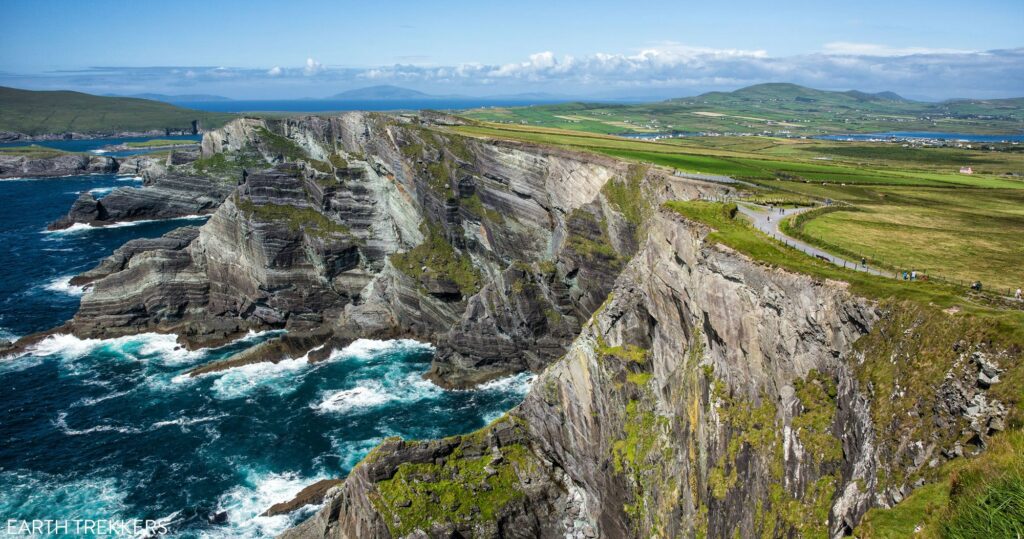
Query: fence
pixel 875 265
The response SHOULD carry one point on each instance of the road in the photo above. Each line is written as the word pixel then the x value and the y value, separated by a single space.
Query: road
pixel 767 220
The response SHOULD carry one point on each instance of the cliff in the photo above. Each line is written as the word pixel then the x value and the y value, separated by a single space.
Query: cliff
pixel 710 395
pixel 31 165
pixel 370 225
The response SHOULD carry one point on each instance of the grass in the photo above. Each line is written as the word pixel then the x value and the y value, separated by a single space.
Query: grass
pixel 37 113
pixel 161 142
pixel 765 160
pixel 962 234
pixel 298 219
pixel 34 151
pixel 436 257
pixel 742 237
pixel 777 108
pixel 980 497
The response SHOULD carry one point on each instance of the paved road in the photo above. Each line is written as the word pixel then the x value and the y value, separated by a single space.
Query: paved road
pixel 767 220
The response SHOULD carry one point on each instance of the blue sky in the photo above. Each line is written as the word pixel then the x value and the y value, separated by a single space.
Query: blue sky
pixel 262 49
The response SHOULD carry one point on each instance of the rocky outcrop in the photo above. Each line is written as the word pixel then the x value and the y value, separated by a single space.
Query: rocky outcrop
pixel 710 396
pixel 161 197
pixel 25 166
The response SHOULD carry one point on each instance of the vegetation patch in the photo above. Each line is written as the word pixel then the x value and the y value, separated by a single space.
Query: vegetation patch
pixel 280 145
pixel 980 497
pixel 461 490
pixel 435 256
pixel 626 196
pixel 298 219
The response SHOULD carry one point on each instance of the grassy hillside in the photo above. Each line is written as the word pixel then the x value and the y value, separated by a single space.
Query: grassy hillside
pixel 36 113
pixel 774 108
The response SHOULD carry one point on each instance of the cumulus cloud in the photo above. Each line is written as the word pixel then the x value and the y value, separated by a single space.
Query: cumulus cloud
pixel 665 69
pixel 312 67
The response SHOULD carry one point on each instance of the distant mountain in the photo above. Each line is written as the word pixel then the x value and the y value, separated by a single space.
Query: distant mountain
pixel 383 92
pixel 786 92
pixel 37 113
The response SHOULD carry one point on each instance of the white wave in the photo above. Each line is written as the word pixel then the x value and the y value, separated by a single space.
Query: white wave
pixel 359 397
pixel 364 349
pixel 91 401
pixel 101 190
pixel 352 451
pixel 98 151
pixel 518 383
pixel 63 285
pixel 36 494
pixel 68 346
pixel 279 378
pixel 186 421
pixel 61 423
pixel 245 503
pixel 129 178
pixel 78 228
pixel 373 393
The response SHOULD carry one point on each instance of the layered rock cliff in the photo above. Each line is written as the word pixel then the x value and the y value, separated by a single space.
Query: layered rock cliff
pixel 369 225
pixel 13 165
pixel 709 396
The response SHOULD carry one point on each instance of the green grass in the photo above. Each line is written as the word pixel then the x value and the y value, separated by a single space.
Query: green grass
pixel 298 219
pixel 981 497
pixel 37 113
pixel 161 142
pixel 34 151
pixel 774 108
pixel 962 234
pixel 742 237
pixel 439 258
pixel 762 160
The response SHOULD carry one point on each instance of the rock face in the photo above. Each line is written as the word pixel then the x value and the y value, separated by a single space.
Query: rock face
pixel 22 166
pixel 709 396
pixel 163 197
pixel 374 226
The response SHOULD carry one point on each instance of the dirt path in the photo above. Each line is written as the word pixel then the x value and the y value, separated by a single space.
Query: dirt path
pixel 767 220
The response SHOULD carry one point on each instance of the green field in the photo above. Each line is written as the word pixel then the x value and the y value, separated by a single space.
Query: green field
pixel 772 108
pixel 909 211
pixel 37 113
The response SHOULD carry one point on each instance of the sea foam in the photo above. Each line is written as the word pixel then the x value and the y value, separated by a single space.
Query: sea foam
pixel 63 285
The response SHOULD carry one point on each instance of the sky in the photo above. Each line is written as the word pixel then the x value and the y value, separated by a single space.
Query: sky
pixel 259 49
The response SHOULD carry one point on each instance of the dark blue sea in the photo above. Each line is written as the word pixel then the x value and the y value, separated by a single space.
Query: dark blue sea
pixel 110 429
pixel 328 105
pixel 924 135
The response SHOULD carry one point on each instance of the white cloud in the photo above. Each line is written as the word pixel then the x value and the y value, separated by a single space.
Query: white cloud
pixel 674 68
pixel 312 67
pixel 844 48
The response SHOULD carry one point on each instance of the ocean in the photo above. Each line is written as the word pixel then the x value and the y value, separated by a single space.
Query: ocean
pixel 110 429
pixel 328 105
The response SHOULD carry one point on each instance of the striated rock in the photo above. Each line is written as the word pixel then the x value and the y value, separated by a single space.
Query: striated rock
pixel 22 166
pixel 164 197
pixel 311 495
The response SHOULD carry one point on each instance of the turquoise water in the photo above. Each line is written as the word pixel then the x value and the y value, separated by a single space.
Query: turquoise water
pixel 111 429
